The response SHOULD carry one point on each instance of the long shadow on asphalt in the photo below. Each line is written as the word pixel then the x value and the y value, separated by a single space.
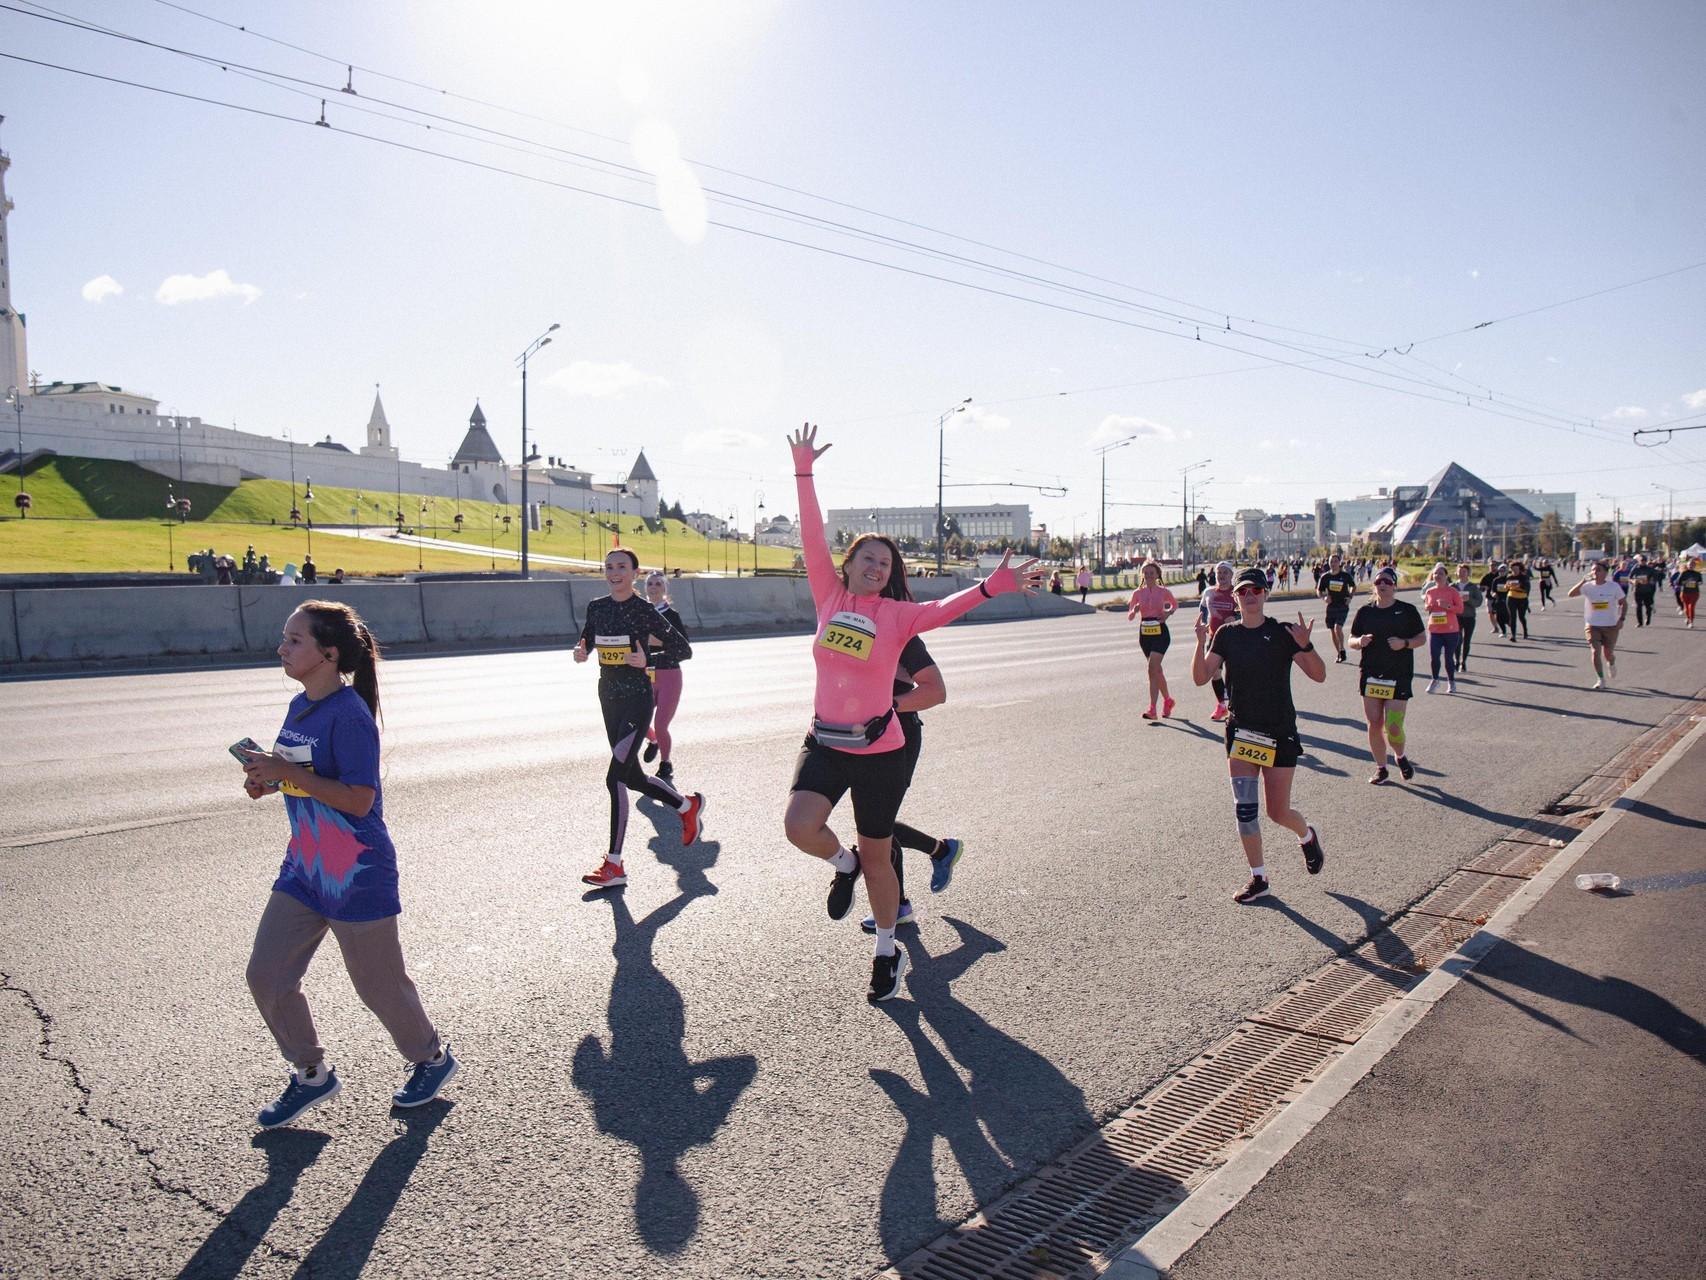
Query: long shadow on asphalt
pixel 342 1252
pixel 1462 804
pixel 225 1253
pixel 1533 706
pixel 1647 810
pixel 1002 1111
pixel 643 1088
pixel 1512 965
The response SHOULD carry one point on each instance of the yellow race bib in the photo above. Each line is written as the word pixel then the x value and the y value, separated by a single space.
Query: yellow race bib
pixel 851 634
pixel 1380 688
pixel 1602 608
pixel 613 651
pixel 1335 586
pixel 1517 593
pixel 1437 619
pixel 1151 627
pixel 1253 748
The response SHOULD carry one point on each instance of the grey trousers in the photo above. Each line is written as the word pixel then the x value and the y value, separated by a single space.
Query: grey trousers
pixel 285 942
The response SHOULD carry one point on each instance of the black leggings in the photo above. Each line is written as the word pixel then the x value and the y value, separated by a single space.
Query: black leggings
pixel 1519 613
pixel 1466 625
pixel 1219 686
pixel 1643 608
pixel 1545 591
pixel 625 721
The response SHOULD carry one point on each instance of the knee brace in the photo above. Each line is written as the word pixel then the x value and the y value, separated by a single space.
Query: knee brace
pixel 1244 805
pixel 1395 721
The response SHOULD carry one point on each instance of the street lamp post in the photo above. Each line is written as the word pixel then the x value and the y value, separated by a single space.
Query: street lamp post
pixel 308 506
pixel 1184 480
pixel 171 512
pixel 533 347
pixel 420 553
pixel 15 398
pixel 1670 513
pixel 757 518
pixel 1104 451
pixel 941 455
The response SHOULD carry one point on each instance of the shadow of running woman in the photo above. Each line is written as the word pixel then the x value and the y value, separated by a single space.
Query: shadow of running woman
pixel 682 1103
pixel 1003 1110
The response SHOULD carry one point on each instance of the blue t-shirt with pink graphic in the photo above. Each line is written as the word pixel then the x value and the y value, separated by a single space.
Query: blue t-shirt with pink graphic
pixel 339 865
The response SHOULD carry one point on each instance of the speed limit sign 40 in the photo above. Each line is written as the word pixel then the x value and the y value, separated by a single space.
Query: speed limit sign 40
pixel 1288 525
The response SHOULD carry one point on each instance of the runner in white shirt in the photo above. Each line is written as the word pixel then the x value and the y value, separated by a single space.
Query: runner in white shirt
pixel 1603 606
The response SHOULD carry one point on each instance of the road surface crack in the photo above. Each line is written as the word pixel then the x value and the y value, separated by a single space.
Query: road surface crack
pixel 47 1052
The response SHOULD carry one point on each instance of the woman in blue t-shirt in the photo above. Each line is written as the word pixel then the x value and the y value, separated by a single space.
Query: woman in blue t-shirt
pixel 340 869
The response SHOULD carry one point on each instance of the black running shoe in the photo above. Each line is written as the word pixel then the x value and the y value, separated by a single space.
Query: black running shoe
pixel 1313 854
pixel 1378 777
pixel 886 973
pixel 1257 888
pixel 650 753
pixel 841 892
pixel 1406 768
pixel 1340 658
pixel 666 772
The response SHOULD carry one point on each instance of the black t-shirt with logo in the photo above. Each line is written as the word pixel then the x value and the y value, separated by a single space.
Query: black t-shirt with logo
pixel 1403 620
pixel 1337 588
pixel 1688 581
pixel 1644 579
pixel 1258 675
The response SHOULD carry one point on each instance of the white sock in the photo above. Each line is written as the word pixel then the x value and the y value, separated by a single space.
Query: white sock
pixel 844 861
pixel 1308 831
pixel 885 942
pixel 315 1074
pixel 613 857
pixel 1261 872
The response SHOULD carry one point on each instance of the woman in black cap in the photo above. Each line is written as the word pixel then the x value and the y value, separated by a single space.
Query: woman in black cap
pixel 1262 746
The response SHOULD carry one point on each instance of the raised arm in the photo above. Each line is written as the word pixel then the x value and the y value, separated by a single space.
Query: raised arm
pixel 820 568
pixel 930 614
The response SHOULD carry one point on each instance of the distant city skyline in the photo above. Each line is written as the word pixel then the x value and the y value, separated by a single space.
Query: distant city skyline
pixel 1493 212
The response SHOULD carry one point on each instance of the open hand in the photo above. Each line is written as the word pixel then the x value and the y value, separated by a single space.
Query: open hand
pixel 804 445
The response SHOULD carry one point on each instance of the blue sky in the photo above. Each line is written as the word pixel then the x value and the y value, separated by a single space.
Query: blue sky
pixel 1377 175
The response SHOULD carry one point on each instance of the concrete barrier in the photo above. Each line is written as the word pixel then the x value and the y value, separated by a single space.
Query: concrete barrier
pixel 8 628
pixel 392 611
pixel 684 595
pixel 126 622
pixel 1047 605
pixel 484 612
pixel 753 604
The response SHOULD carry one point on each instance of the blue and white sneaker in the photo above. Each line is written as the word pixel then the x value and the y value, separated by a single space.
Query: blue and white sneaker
pixel 903 916
pixel 942 868
pixel 426 1079
pixel 298 1096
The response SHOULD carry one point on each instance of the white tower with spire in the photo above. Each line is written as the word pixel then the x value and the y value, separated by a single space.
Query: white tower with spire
pixel 378 431
pixel 14 359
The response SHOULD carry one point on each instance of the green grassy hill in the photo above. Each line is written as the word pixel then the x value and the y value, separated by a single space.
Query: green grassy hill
pixel 78 491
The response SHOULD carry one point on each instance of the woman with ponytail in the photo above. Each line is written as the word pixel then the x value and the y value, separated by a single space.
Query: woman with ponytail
pixel 340 869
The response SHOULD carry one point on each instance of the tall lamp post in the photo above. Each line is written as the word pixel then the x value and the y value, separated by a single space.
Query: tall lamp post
pixel 757 519
pixel 1104 451
pixel 171 514
pixel 1670 514
pixel 941 455
pixel 308 505
pixel 1185 495
pixel 533 347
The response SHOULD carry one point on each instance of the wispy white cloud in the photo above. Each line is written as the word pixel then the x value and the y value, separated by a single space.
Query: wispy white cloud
pixel 722 440
pixel 101 288
pixel 1627 411
pixel 1474 273
pixel 214 285
pixel 602 381
pixel 1118 426
pixel 981 418
pixel 1696 399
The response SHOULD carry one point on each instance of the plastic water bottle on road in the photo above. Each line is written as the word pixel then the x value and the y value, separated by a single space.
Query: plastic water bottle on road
pixel 1605 881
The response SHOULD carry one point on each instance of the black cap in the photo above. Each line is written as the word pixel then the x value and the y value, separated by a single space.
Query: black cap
pixel 1251 578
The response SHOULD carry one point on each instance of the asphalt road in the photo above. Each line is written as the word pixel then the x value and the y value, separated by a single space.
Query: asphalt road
pixel 685 1078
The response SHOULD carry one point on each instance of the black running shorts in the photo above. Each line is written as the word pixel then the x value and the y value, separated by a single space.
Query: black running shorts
pixel 1401 693
pixel 1288 748
pixel 878 781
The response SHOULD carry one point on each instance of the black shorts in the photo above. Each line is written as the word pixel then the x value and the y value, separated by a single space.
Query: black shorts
pixel 878 782
pixel 1155 644
pixel 1288 747
pixel 1337 614
pixel 1400 693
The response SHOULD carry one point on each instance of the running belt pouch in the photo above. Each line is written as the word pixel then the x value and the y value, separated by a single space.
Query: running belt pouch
pixel 851 736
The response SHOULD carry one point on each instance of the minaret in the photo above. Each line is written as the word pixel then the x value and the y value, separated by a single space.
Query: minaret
pixel 378 431
pixel 14 360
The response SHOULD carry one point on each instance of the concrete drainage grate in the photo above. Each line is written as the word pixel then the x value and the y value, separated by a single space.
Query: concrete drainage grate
pixel 1468 895
pixel 1518 859
pixel 1070 1220
pixel 1340 1003
pixel 1415 943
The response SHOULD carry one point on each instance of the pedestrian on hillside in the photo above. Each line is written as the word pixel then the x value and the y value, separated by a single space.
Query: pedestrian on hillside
pixel 1386 630
pixel 865 616
pixel 340 870
pixel 222 566
pixel 337 577
pixel 1084 584
pixel 308 571
pixel 1257 654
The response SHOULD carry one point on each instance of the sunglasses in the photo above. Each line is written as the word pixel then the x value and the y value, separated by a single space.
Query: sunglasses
pixel 1248 591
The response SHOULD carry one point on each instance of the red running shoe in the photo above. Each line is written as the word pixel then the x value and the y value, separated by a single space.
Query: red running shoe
pixel 608 876
pixel 692 818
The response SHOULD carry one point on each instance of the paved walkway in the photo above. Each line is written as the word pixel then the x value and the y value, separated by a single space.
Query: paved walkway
pixel 1547 1119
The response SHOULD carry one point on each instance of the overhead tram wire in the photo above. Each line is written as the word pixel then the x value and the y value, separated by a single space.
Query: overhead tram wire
pixel 617 169
pixel 1306 365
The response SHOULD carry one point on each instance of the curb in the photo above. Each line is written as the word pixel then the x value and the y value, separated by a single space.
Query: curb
pixel 1171 1238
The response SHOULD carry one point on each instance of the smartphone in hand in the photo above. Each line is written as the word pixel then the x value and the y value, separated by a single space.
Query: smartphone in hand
pixel 237 749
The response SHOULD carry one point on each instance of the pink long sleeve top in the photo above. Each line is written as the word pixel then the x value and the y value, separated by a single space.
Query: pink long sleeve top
pixel 859 638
